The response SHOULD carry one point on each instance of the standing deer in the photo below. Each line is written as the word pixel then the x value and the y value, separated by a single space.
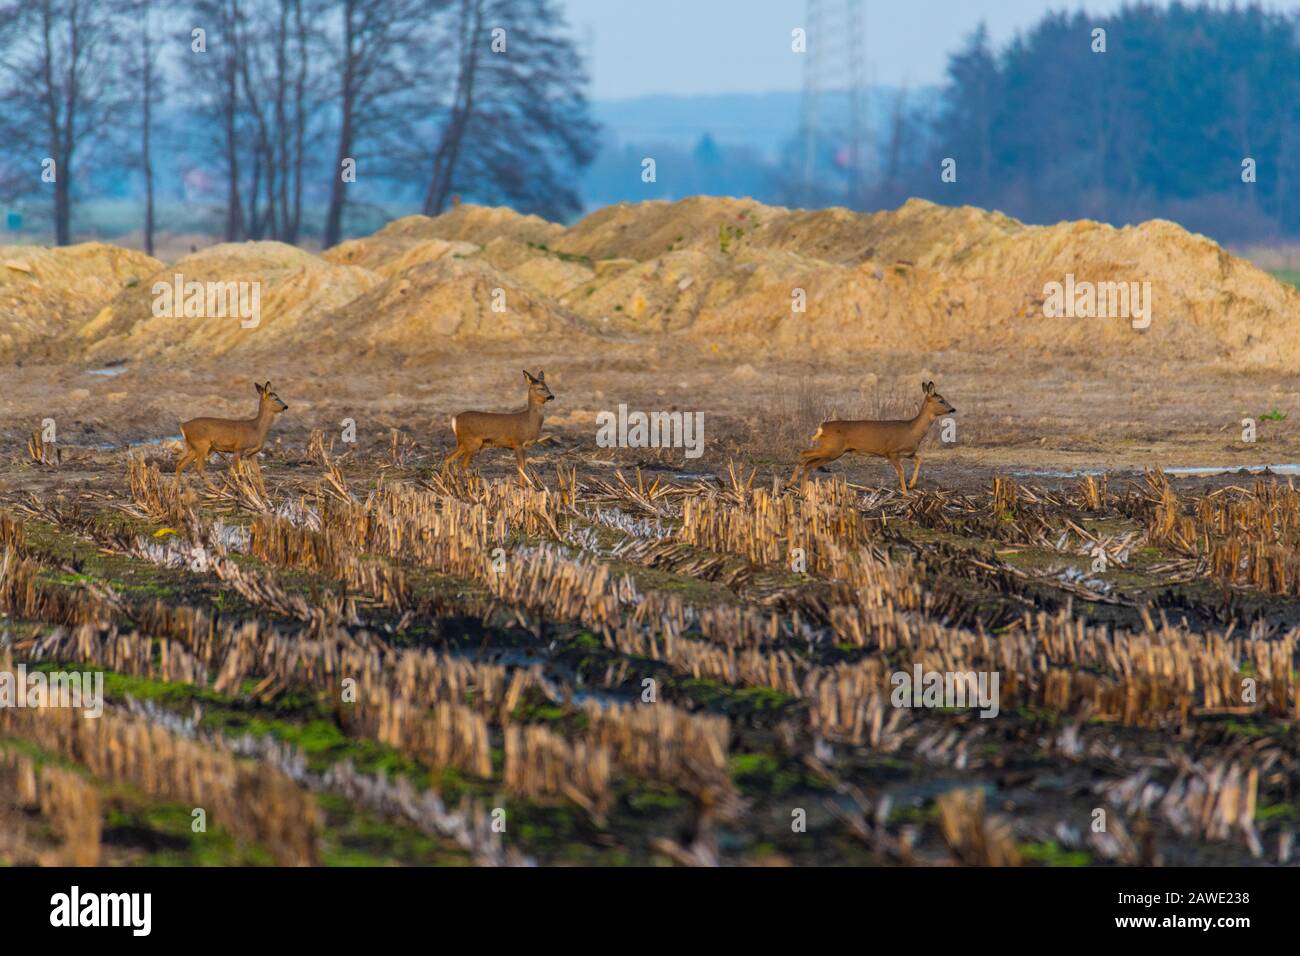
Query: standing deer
pixel 892 439
pixel 517 430
pixel 242 436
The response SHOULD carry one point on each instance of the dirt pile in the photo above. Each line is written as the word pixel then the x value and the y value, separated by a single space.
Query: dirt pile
pixel 271 295
pixel 647 230
pixel 731 274
pixel 476 224
pixel 389 256
pixel 431 304
pixel 402 289
pixel 47 292
pixel 922 277
pixel 459 233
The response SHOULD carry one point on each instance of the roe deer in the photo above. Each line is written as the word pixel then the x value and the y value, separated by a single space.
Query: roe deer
pixel 517 430
pixel 242 436
pixel 892 440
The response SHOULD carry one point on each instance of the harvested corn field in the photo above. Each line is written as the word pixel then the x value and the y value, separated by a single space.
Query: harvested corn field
pixel 355 655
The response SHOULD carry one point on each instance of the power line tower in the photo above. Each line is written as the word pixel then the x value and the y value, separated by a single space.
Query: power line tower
pixel 834 65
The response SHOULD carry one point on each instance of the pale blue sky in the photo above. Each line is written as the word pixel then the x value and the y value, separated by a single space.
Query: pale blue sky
pixel 730 46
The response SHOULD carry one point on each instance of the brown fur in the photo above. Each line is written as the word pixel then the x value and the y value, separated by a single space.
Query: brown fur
pixel 892 440
pixel 244 437
pixel 475 431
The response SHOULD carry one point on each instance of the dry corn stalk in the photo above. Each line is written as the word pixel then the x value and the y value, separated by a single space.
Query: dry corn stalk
pixel 974 838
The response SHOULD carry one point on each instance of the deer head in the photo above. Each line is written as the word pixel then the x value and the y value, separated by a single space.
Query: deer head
pixel 934 404
pixel 269 398
pixel 538 393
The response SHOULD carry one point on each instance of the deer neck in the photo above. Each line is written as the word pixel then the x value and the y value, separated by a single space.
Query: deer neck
pixel 262 423
pixel 922 422
pixel 536 408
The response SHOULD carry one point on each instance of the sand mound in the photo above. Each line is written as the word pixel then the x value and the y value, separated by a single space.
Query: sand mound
pixel 656 296
pixel 476 224
pixel 45 292
pixel 389 256
pixel 460 233
pixel 433 305
pixel 283 288
pixel 922 277
pixel 714 272
pixel 918 232
pixel 649 229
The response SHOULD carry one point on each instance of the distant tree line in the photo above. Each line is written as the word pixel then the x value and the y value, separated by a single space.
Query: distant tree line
pixel 1184 112
pixel 1191 113
pixel 293 102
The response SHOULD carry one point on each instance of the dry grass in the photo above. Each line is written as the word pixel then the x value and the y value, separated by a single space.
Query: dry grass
pixel 872 596
pixel 249 799
pixel 68 803
pixel 975 838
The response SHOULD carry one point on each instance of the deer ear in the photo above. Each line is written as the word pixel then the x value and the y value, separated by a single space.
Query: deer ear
pixel 929 388
pixel 258 386
pixel 527 376
pixel 541 376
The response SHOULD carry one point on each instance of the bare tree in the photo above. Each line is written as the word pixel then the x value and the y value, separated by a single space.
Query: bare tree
pixel 273 84
pixel 517 123
pixel 256 83
pixel 904 140
pixel 377 45
pixel 143 75
pixel 213 72
pixel 60 89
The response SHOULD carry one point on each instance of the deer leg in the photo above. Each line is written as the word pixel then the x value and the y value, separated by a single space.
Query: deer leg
pixel 256 467
pixel 454 456
pixel 821 459
pixel 800 468
pixel 827 459
pixel 185 460
pixel 519 463
pixel 898 467
pixel 201 462
pixel 916 470
pixel 810 464
pixel 467 456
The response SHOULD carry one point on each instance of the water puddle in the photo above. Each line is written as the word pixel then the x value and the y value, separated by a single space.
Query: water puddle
pixel 143 443
pixel 1192 471
pixel 1052 473
pixel 1288 468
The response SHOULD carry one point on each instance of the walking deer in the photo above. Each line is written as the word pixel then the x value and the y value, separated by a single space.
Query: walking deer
pixel 478 430
pixel 892 440
pixel 242 436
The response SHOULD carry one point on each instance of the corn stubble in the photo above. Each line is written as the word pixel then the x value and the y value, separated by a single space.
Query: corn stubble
pixel 819 596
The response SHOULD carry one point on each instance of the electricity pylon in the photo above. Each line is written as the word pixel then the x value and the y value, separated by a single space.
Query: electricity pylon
pixel 835 63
